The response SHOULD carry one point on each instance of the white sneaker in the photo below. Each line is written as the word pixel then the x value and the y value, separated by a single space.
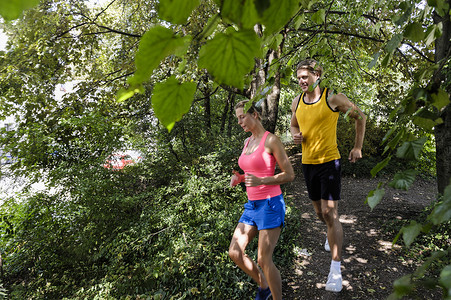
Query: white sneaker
pixel 334 282
pixel 326 245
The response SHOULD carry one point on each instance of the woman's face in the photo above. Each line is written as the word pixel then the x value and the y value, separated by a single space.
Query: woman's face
pixel 245 120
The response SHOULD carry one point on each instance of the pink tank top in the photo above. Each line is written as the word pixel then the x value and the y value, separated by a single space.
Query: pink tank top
pixel 261 164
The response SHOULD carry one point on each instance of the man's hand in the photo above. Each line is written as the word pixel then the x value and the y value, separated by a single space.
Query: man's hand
pixel 298 138
pixel 355 155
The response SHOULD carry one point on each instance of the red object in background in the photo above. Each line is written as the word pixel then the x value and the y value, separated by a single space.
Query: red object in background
pixel 118 161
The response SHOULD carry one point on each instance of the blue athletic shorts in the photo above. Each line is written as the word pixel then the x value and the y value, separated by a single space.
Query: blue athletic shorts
pixel 264 214
pixel 323 181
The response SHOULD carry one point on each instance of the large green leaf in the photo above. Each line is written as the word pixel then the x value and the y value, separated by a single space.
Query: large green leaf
pixel 242 13
pixel 411 149
pixel 171 100
pixel 278 14
pixel 404 179
pixel 375 197
pixel 230 56
pixel 442 212
pixel 176 11
pixel 12 9
pixel 155 45
pixel 414 32
pixel 410 232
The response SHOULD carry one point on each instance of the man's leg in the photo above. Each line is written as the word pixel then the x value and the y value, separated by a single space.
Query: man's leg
pixel 267 241
pixel 329 212
pixel 335 237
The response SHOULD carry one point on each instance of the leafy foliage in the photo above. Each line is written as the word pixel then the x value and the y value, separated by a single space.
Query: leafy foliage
pixel 160 229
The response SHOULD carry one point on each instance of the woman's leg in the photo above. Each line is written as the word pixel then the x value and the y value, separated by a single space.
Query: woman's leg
pixel 267 241
pixel 242 236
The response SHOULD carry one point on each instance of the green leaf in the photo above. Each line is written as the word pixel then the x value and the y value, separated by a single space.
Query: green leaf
pixel 442 212
pixel 403 286
pixel 374 61
pixel 171 100
pixel 244 14
pixel 176 11
pixel 386 59
pixel 440 99
pixel 124 94
pixel 12 9
pixel 230 56
pixel 211 25
pixel 414 32
pixel 319 17
pixel 155 45
pixel 404 179
pixel 410 232
pixel 380 166
pixel 426 123
pixel 407 12
pixel 394 43
pixel 432 33
pixel 445 278
pixel 278 15
pixel 375 197
pixel 411 149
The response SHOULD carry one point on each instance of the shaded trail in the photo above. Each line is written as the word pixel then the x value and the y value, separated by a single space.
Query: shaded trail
pixel 370 262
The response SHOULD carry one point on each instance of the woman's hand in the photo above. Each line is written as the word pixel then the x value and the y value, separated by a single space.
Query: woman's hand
pixel 236 178
pixel 252 180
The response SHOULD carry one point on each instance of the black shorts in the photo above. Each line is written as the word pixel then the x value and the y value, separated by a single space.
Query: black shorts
pixel 323 180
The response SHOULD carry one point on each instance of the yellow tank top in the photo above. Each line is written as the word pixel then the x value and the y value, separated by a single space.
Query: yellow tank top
pixel 318 124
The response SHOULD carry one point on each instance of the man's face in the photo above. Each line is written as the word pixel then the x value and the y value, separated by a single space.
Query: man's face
pixel 305 79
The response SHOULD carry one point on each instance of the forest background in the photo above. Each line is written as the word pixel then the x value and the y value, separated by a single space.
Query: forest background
pixel 161 78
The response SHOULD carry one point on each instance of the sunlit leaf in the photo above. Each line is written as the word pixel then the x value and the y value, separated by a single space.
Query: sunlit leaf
pixel 12 9
pixel 230 56
pixel 171 100
pixel 176 11
pixel 440 99
pixel 410 232
pixel 411 149
pixel 155 45
pixel 403 179
pixel 375 197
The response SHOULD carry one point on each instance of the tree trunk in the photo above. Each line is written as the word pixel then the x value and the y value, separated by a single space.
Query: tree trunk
pixel 443 131
pixel 271 103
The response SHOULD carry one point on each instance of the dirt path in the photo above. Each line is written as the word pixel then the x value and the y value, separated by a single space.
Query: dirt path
pixel 370 263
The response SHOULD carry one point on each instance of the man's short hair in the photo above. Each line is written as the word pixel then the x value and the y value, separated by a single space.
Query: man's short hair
pixel 311 65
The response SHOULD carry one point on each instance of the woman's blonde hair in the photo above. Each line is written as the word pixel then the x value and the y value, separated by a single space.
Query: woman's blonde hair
pixel 251 109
